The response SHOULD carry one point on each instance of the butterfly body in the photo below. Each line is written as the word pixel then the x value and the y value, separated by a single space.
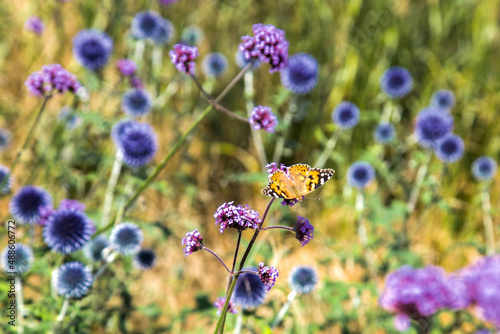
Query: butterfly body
pixel 299 180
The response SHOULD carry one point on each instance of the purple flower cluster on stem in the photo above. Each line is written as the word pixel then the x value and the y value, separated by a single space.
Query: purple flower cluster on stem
pixel 268 275
pixel 193 241
pixel 236 216
pixel 183 57
pixel 52 78
pixel 263 118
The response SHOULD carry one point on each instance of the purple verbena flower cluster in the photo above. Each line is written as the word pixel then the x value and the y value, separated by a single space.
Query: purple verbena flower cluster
pixel 193 241
pixel 219 304
pixel 183 57
pixel 52 78
pixel 263 118
pixel 268 45
pixel 303 231
pixel 273 167
pixel 268 275
pixel 236 216
pixel 127 67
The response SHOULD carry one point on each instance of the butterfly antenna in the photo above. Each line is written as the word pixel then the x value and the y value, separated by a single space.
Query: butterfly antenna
pixel 316 198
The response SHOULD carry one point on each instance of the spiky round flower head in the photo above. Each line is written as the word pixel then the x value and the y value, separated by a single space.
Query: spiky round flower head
pixel 214 64
pixel 92 48
pixel 384 132
pixel 67 230
pixel 192 35
pixel 268 45
pixel 136 102
pixel 138 144
pixel 418 293
pixel 5 184
pixel 346 115
pixel 263 118
pixel 35 25
pixel 303 279
pixel 16 260
pixel 183 57
pixel 51 79
pixel 5 138
pixel 239 57
pixel 126 238
pixel 450 148
pixel 303 231
pixel 72 280
pixel 26 202
pixel 301 74
pixel 144 259
pixel 150 25
pixel 193 241
pixel 127 67
pixel 219 304
pixel 268 275
pixel 236 216
pixel 484 168
pixel 431 126
pixel 443 99
pixel 360 174
pixel 396 82
pixel 93 249
pixel 249 291
pixel 119 129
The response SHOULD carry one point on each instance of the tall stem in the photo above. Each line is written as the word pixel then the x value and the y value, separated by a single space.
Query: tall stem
pixel 20 303
pixel 284 309
pixel 360 204
pixel 229 281
pixel 218 258
pixel 239 323
pixel 64 309
pixel 113 179
pixel 330 145
pixel 488 221
pixel 26 140
pixel 287 121
pixel 222 319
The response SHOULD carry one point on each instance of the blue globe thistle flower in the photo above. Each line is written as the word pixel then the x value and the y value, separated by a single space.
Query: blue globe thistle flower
pixel 138 144
pixel 303 279
pixel 263 118
pixel 26 203
pixel 346 115
pixel 484 168
pixel 5 138
pixel 136 102
pixel 4 173
pixel 145 259
pixel 92 48
pixel 150 25
pixel 35 25
pixel 384 132
pixel 443 99
pixel 72 280
pixel 219 304
pixel 360 174
pixel 301 74
pixel 268 275
pixel 396 82
pixel 431 126
pixel 119 129
pixel 126 238
pixel 236 216
pixel 214 64
pixel 22 256
pixel 192 35
pixel 239 57
pixel 303 231
pixel 67 230
pixel 450 148
pixel 93 249
pixel 249 291
pixel 193 241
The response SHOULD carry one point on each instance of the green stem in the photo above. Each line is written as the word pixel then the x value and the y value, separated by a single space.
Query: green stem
pixel 287 121
pixel 488 221
pixel 284 309
pixel 330 145
pixel 113 180
pixel 64 309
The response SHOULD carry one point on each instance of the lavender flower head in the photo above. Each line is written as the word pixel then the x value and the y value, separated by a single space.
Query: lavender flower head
pixel 138 143
pixel 346 115
pixel 72 280
pixel 431 126
pixel 236 216
pixel 273 167
pixel 127 67
pixel 418 294
pixel 263 118
pixel 303 231
pixel 360 174
pixel 183 57
pixel 119 129
pixel 443 99
pixel 35 25
pixel 145 259
pixel 193 241
pixel 219 304
pixel 239 57
pixel 214 64
pixel 396 82
pixel 126 238
pixel 268 45
pixel 51 79
pixel 5 184
pixel 92 48
pixel 136 102
pixel 25 204
pixel 150 25
pixel 268 275
pixel 384 132
pixel 301 74
pixel 303 279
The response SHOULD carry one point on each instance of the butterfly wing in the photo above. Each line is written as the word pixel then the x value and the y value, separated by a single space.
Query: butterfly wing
pixel 298 176
pixel 279 186
pixel 308 179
